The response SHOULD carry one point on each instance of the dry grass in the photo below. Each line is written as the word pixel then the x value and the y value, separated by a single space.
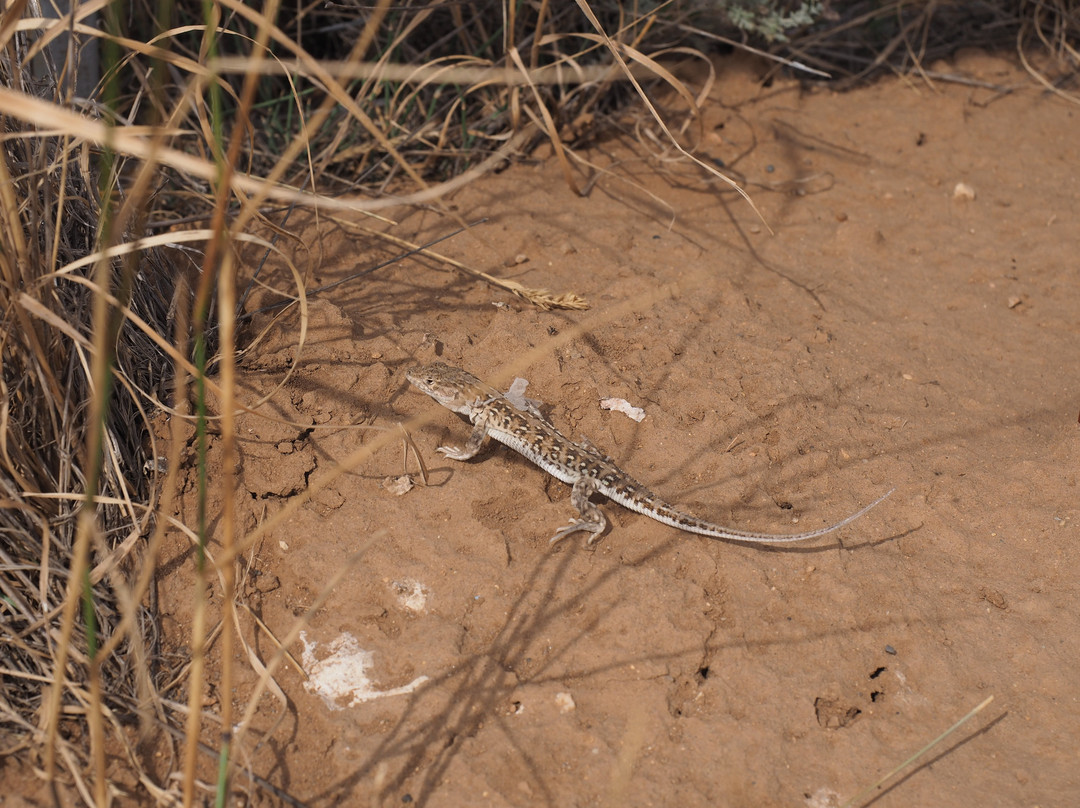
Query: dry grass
pixel 863 39
pixel 125 206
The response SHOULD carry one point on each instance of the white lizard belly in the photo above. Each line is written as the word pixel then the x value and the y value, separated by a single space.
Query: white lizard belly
pixel 526 449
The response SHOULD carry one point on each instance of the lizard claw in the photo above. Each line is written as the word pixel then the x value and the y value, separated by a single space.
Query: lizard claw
pixel 563 532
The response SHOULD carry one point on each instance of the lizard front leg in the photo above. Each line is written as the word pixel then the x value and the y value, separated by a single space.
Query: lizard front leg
pixel 476 441
pixel 592 518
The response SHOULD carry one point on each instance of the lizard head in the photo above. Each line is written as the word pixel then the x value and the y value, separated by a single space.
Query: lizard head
pixel 452 387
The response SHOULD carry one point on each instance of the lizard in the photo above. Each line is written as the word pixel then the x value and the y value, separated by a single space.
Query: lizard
pixel 581 465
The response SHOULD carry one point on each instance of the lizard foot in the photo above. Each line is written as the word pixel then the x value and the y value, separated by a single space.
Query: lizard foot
pixel 454 452
pixel 588 525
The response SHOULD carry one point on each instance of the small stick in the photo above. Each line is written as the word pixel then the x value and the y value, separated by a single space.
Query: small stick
pixel 858 797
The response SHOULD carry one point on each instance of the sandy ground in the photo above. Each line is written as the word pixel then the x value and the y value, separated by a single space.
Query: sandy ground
pixel 892 332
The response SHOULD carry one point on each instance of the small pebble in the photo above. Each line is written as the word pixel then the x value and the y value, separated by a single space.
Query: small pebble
pixel 890 650
pixel 565 702
pixel 963 191
pixel 398 485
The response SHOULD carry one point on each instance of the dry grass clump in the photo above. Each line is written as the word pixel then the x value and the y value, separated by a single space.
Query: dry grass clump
pixel 854 41
pixel 448 86
pixel 78 637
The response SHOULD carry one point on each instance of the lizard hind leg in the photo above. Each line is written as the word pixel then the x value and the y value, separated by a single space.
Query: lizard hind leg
pixel 592 519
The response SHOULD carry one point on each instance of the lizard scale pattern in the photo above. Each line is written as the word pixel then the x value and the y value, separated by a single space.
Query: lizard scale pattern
pixel 580 465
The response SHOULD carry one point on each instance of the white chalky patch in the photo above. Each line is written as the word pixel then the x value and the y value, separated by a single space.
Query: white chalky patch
pixel 623 406
pixel 344 673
